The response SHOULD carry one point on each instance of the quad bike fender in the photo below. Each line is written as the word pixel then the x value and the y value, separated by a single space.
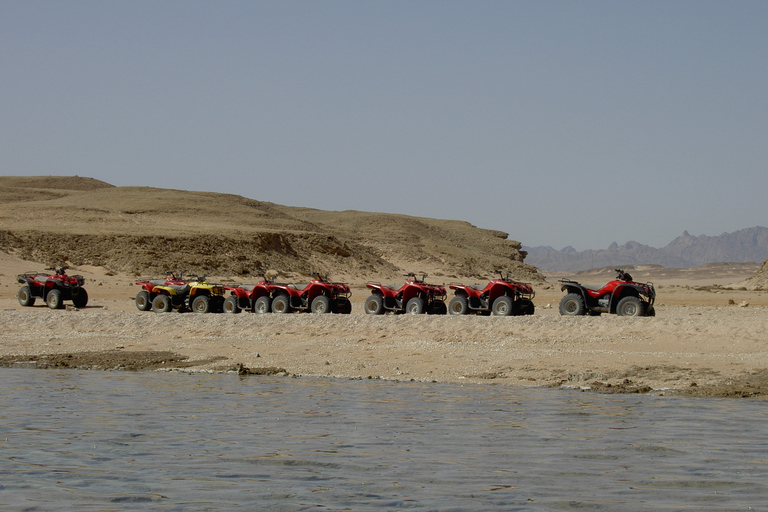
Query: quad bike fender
pixel 380 289
pixel 28 281
pixel 240 293
pixel 577 289
pixel 465 291
pixel 164 290
pixel 257 293
pixel 413 291
pixel 627 290
pixel 496 290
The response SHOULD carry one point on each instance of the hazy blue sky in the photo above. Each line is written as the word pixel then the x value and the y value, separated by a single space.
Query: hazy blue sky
pixel 560 122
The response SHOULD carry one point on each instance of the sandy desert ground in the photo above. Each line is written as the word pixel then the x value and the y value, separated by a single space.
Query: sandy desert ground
pixel 706 340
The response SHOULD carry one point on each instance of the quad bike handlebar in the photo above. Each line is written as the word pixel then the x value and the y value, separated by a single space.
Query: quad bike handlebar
pixel 622 276
pixel 412 276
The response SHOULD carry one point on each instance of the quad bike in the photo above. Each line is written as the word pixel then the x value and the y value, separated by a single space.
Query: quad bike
pixel 501 297
pixel 52 288
pixel 413 297
pixel 621 296
pixel 147 294
pixel 250 297
pixel 318 296
pixel 195 294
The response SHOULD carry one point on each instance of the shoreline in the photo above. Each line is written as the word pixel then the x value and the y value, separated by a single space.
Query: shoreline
pixel 675 352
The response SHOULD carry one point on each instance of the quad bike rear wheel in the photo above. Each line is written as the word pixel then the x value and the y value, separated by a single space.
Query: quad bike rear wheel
pixel 262 305
pixel 230 305
pixel 143 302
pixel 201 304
pixel 374 305
pixel 162 304
pixel 281 304
pixel 458 306
pixel 81 299
pixel 53 299
pixel 415 306
pixel 572 305
pixel 25 296
pixel 502 306
pixel 630 306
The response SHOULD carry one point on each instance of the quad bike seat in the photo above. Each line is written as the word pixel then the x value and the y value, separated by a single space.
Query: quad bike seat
pixel 592 287
pixel 248 287
pixel 181 289
pixel 297 288
pixel 157 282
pixel 41 279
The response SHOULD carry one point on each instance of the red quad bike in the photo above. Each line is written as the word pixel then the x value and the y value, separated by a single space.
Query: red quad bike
pixel 250 297
pixel 501 297
pixel 145 296
pixel 52 288
pixel 622 296
pixel 413 297
pixel 317 296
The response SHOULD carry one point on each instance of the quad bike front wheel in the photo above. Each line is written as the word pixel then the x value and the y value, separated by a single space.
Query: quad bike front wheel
pixel 374 305
pixel 458 306
pixel 630 306
pixel 281 304
pixel 415 306
pixel 321 304
pixel 437 307
pixel 502 306
pixel 25 296
pixel 343 307
pixel 572 305
pixel 53 299
pixel 262 305
pixel 201 304
pixel 526 307
pixel 81 299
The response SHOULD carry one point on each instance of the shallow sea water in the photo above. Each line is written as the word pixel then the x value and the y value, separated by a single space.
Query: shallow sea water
pixel 91 440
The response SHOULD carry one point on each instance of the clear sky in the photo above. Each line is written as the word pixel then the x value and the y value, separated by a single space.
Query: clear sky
pixel 560 122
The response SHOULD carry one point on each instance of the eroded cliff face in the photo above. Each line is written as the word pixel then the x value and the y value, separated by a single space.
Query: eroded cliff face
pixel 760 280
pixel 79 221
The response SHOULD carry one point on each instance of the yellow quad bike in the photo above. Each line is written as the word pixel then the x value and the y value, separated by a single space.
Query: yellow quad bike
pixel 197 295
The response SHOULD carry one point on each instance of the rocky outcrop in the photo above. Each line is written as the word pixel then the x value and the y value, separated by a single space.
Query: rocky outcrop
pixel 79 221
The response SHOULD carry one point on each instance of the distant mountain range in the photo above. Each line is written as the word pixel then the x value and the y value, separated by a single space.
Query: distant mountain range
pixel 741 246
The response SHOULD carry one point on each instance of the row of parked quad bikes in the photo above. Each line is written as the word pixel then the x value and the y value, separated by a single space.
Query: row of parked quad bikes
pixel 500 297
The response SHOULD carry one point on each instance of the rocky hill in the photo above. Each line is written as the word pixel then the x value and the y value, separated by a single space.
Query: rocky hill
pixel 684 251
pixel 140 230
pixel 760 280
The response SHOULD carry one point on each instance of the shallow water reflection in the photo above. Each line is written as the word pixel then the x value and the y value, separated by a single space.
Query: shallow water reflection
pixel 122 441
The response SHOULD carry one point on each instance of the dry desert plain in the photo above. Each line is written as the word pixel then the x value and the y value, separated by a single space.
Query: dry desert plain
pixel 706 340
